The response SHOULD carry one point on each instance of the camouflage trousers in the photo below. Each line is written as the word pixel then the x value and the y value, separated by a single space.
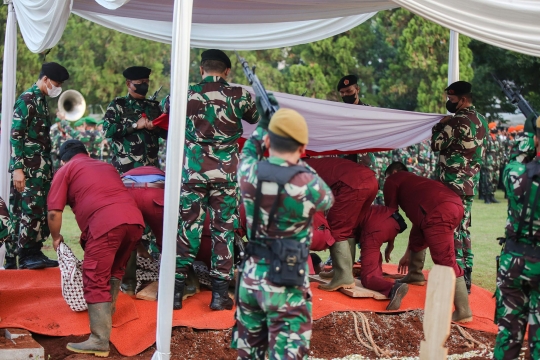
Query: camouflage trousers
pixel 277 322
pixel 29 214
pixel 462 236
pixel 222 201
pixel 518 303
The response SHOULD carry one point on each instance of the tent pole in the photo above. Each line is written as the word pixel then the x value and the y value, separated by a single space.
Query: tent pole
pixel 8 99
pixel 182 18
pixel 453 57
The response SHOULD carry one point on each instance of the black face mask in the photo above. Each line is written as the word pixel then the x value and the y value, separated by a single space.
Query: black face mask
pixel 451 106
pixel 349 99
pixel 141 89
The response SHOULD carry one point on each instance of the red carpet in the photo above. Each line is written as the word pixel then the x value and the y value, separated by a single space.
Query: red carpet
pixel 33 300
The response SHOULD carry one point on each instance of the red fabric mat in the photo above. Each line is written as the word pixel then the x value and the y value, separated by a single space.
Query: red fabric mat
pixel 32 299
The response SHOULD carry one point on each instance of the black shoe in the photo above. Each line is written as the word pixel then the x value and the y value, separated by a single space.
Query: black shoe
pixel 398 292
pixel 48 262
pixel 467 275
pixel 480 196
pixel 493 200
pixel 220 295
pixel 11 263
pixel 178 293
pixel 32 259
pixel 487 200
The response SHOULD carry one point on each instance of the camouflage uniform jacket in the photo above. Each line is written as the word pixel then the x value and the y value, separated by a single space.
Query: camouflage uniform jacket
pixel 461 142
pixel 31 135
pixel 6 228
pixel 92 140
pixel 304 195
pixel 516 184
pixel 213 126
pixel 492 153
pixel 132 148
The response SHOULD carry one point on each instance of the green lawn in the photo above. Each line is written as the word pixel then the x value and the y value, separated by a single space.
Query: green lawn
pixel 488 223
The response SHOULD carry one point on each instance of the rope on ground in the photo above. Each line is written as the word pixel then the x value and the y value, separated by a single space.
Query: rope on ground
pixel 469 337
pixel 367 333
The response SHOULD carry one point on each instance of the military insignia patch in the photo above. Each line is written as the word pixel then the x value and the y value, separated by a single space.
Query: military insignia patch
pixel 346 82
pixel 450 91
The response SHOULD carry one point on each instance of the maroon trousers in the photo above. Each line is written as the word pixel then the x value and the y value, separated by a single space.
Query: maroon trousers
pixel 436 232
pixel 150 203
pixel 106 257
pixel 371 241
pixel 350 206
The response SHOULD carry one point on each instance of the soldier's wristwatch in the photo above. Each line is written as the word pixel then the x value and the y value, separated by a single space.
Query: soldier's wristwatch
pixel 134 126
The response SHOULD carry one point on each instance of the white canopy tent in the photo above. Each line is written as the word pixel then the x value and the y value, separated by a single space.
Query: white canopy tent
pixel 251 24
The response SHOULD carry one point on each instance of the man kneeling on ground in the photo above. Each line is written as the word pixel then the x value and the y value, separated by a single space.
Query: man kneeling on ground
pixel 111 226
pixel 435 211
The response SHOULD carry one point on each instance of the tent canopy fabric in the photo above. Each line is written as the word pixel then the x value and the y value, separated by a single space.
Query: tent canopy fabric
pixel 228 24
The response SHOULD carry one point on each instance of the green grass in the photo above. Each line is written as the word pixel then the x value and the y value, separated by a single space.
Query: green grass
pixel 488 222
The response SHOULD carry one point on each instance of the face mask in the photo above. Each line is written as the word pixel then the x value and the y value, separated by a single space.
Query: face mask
pixel 141 89
pixel 54 91
pixel 451 106
pixel 349 99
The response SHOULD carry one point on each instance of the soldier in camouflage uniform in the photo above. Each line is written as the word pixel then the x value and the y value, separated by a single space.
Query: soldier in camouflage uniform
pixel 489 172
pixel 31 168
pixel 92 137
pixel 128 122
pixel 213 126
pixel 272 317
pixel 461 142
pixel 518 276
pixel 6 229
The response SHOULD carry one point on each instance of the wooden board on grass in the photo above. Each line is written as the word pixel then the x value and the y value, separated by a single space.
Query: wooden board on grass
pixel 358 291
pixel 149 292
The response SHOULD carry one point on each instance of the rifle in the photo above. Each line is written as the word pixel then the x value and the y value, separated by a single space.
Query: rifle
pixel 154 97
pixel 516 98
pixel 268 108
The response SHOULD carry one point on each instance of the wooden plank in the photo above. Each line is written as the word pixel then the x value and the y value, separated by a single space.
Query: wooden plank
pixel 438 312
pixel 149 292
pixel 359 291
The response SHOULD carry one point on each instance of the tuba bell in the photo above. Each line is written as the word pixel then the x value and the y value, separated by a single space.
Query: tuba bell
pixel 72 104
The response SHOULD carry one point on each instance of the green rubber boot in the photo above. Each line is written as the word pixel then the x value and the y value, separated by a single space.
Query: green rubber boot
pixel 342 267
pixel 415 276
pixel 463 312
pixel 100 328
pixel 129 281
pixel 330 273
pixel 115 288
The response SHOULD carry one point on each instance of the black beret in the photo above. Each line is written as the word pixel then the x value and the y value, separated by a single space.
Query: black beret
pixel 215 54
pixel 71 148
pixel 55 71
pixel 459 88
pixel 347 81
pixel 137 72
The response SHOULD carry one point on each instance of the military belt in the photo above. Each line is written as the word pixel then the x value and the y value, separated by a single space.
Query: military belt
pixel 145 185
pixel 525 249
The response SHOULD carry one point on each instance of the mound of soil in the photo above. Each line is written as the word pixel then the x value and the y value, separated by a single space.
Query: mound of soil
pixel 333 337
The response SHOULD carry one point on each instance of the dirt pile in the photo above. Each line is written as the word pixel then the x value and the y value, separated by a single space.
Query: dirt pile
pixel 333 337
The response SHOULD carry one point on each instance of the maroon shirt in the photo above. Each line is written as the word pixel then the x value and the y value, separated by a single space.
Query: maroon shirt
pixel 332 170
pixel 416 195
pixel 96 195
pixel 144 170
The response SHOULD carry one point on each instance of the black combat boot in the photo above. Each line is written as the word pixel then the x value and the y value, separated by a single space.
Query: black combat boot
pixel 11 263
pixel 220 295
pixel 179 285
pixel 493 200
pixel 33 259
pixel 467 275
pixel 480 196
pixel 487 199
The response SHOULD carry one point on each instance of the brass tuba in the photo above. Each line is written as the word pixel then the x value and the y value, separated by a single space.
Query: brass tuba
pixel 72 104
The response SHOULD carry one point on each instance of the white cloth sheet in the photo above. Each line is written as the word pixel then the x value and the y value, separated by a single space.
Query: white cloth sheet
pixel 344 127
pixel 510 24
pixel 232 36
